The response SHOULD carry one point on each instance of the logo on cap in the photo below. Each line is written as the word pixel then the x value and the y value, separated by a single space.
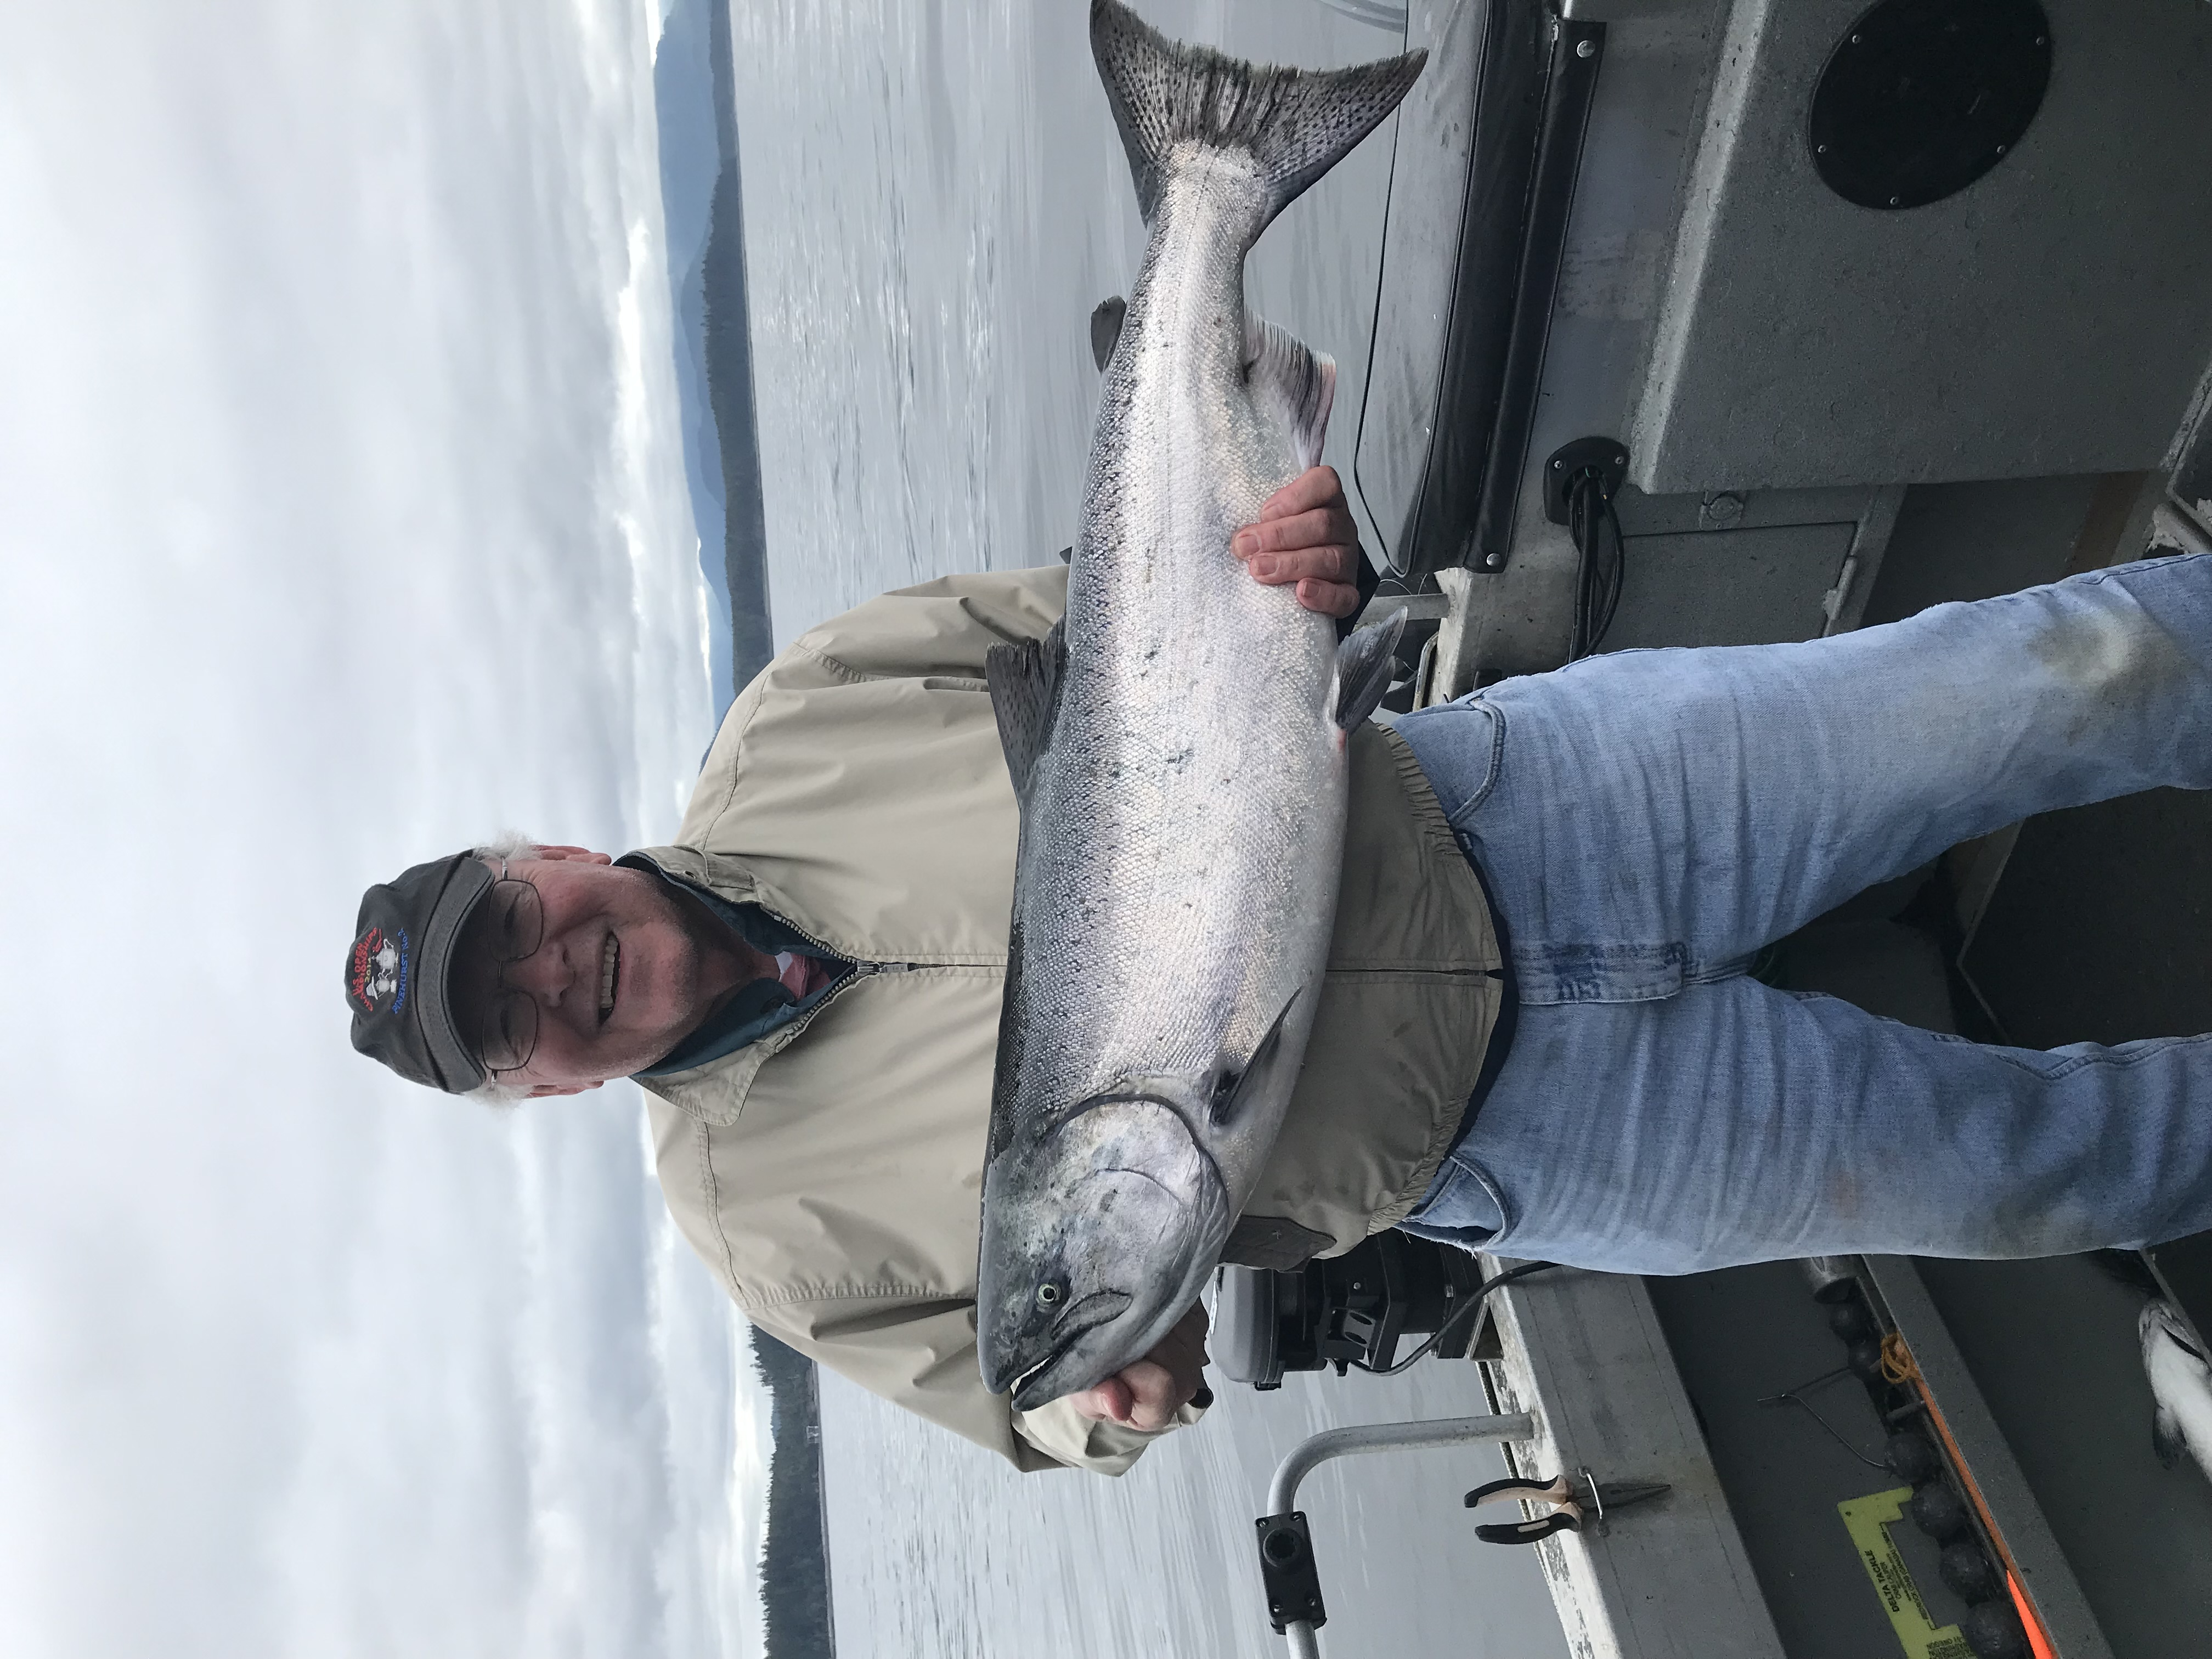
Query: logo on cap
pixel 378 971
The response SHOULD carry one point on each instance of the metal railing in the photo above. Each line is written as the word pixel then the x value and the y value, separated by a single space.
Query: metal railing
pixel 1278 1547
pixel 1370 11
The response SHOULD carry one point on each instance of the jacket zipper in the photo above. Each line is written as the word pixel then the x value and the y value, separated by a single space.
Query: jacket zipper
pixel 861 970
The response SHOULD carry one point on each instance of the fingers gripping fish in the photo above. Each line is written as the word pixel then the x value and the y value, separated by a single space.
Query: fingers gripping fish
pixel 1178 747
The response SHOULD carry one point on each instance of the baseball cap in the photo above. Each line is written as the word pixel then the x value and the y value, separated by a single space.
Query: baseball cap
pixel 399 967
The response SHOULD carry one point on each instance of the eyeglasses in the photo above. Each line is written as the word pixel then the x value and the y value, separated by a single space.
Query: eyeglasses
pixel 516 927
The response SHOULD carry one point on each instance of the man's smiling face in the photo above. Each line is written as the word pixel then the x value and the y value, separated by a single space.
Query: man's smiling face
pixel 624 971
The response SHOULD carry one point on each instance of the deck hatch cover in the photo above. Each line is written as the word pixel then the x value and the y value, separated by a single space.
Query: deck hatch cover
pixel 1920 98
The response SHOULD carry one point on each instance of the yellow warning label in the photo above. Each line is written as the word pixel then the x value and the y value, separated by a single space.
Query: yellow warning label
pixel 1868 1520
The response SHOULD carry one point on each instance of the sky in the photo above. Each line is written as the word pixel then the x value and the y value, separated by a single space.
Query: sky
pixel 342 524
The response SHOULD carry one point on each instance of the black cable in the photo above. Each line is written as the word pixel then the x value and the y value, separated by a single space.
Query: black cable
pixel 1463 1311
pixel 1578 530
pixel 1619 572
pixel 1795 1397
pixel 1599 568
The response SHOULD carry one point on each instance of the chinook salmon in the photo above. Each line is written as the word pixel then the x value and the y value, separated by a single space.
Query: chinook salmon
pixel 1178 747
pixel 2181 1376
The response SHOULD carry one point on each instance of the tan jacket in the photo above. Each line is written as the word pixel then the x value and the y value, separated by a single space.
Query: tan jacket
pixel 831 1174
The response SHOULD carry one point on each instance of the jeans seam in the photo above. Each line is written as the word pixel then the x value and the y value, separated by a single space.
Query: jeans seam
pixel 1474 801
pixel 1535 967
pixel 2073 1063
pixel 1714 973
pixel 1469 1166
pixel 2098 578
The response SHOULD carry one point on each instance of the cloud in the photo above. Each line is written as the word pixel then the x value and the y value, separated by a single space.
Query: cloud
pixel 345 523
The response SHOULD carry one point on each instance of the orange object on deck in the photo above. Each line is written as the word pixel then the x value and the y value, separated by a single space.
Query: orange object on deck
pixel 1898 1366
pixel 2037 1643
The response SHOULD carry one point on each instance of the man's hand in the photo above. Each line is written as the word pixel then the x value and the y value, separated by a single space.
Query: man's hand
pixel 1145 1394
pixel 1306 535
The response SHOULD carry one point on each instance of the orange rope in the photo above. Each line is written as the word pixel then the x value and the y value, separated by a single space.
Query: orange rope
pixel 1898 1366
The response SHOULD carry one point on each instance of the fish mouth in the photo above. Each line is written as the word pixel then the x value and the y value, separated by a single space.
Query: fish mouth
pixel 1028 1386
pixel 1033 1394
pixel 1063 1370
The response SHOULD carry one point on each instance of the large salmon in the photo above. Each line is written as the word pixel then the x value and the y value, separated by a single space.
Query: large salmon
pixel 1178 748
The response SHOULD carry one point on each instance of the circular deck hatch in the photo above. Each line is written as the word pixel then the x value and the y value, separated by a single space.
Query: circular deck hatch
pixel 1920 98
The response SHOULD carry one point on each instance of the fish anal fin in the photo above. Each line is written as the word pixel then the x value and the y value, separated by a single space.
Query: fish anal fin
pixel 1293 382
pixel 1363 668
pixel 1024 683
pixel 2165 1437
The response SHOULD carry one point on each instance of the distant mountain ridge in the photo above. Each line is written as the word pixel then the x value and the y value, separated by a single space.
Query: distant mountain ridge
pixel 702 207
pixel 694 84
pixel 795 1562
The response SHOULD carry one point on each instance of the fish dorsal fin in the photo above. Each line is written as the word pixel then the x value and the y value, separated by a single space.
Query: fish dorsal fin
pixel 1231 1093
pixel 1106 321
pixel 1024 682
pixel 1295 124
pixel 1293 382
pixel 1363 668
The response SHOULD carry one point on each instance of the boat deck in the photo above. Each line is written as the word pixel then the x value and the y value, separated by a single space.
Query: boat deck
pixel 1831 417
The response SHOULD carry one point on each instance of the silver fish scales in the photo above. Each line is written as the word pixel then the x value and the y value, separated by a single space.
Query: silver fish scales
pixel 1178 748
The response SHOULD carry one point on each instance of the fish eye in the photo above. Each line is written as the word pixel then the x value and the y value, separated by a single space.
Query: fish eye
pixel 1051 1294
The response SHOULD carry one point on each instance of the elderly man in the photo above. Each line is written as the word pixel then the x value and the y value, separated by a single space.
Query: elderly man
pixel 1537 1031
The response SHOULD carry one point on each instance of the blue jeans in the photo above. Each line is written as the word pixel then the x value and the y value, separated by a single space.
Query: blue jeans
pixel 1647 820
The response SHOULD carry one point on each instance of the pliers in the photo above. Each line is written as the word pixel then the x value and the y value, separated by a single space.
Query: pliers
pixel 1570 1496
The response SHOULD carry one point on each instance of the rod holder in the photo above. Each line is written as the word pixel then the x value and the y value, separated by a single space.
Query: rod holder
pixel 1287 1567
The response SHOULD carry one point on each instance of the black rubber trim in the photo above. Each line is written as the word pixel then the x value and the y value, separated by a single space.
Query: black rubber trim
pixel 1578 50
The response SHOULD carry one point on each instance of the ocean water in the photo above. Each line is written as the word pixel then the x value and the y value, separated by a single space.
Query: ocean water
pixel 938 1548
pixel 935 198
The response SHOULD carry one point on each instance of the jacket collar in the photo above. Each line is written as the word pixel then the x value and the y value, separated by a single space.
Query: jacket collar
pixel 725 877
pixel 732 1074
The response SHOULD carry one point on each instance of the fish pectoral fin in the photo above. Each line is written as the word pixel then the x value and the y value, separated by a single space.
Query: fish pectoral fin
pixel 1363 668
pixel 2165 1437
pixel 1025 682
pixel 1291 381
pixel 1250 1083
pixel 1106 329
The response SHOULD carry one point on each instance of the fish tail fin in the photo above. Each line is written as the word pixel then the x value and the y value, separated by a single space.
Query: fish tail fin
pixel 1295 124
